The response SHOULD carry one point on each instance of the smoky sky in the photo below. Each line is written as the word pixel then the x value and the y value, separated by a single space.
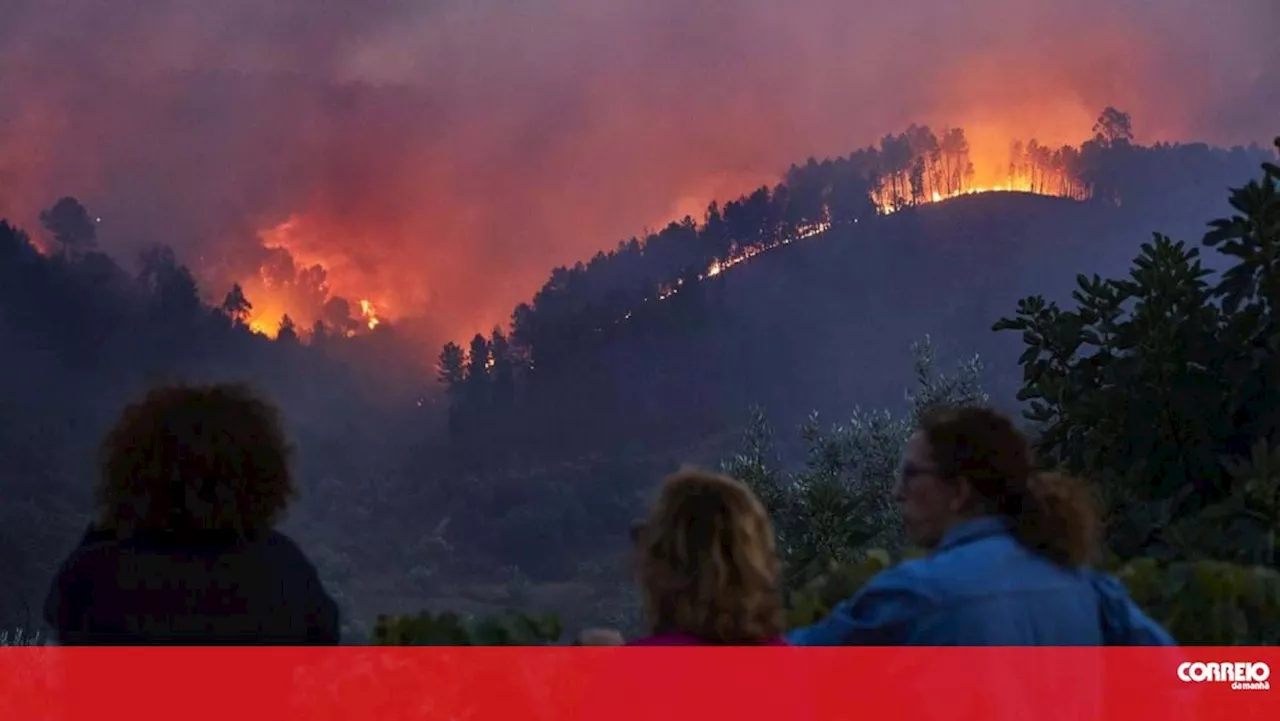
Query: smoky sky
pixel 440 156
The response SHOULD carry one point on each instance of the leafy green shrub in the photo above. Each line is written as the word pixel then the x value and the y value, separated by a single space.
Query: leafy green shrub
pixel 1200 602
pixel 841 502
pixel 449 629
pixel 1208 602
pixel 1161 386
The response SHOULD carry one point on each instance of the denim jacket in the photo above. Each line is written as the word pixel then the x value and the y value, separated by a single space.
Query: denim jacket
pixel 981 587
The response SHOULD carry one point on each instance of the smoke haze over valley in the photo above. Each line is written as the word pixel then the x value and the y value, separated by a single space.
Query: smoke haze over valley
pixel 438 158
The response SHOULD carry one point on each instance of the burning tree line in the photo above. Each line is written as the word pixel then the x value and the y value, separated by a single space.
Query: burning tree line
pixel 917 167
pixel 578 306
pixel 1040 169
pixel 338 318
pixel 568 337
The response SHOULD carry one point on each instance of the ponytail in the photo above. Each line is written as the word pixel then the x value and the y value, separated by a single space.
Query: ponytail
pixel 1053 514
pixel 1059 518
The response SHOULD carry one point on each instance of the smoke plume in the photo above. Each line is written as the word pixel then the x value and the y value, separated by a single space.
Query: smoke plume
pixel 438 157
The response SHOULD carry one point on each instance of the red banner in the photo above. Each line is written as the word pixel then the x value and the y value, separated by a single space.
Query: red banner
pixel 620 684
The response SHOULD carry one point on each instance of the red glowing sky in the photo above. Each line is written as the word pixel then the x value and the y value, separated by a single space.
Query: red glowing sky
pixel 439 157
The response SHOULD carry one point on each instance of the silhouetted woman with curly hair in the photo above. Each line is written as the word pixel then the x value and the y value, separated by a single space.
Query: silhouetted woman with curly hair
pixel 183 549
pixel 709 572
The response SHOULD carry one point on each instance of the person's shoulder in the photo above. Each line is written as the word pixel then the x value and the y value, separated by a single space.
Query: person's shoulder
pixel 1107 585
pixel 279 541
pixel 285 555
pixel 912 578
pixel 965 568
pixel 897 595
pixel 281 548
pixel 96 547
pixel 881 613
pixel 1124 622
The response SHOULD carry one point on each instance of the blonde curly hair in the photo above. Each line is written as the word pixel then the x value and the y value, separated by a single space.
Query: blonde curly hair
pixel 196 458
pixel 708 564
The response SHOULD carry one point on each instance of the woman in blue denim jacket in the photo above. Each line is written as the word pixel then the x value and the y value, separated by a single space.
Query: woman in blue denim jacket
pixel 1010 553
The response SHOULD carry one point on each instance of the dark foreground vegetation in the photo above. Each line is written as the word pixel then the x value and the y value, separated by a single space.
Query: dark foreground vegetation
pixel 522 493
pixel 1211 603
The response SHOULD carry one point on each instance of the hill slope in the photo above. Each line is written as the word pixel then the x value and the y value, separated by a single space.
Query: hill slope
pixel 825 323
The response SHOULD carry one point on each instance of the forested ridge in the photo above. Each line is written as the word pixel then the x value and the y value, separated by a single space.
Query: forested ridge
pixel 672 281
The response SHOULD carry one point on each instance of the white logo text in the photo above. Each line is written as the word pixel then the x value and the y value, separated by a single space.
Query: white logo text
pixel 1242 676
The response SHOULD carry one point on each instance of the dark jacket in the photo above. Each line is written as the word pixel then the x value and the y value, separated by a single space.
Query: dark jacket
pixel 208 589
pixel 984 588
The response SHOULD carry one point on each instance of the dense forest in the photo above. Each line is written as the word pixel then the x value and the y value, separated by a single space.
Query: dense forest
pixel 519 484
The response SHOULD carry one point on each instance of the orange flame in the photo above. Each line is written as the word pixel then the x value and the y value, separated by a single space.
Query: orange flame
pixel 1026 182
pixel 297 282
pixel 369 313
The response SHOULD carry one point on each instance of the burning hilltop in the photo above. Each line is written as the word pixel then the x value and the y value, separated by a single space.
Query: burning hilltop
pixel 916 168
pixel 584 306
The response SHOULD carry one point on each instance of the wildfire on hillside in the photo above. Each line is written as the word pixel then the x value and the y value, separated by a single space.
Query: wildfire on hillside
pixel 297 277
pixel 284 286
pixel 741 256
pixel 929 170
pixel 306 291
pixel 1028 174
pixel 918 167
pixel 720 266
pixel 887 207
